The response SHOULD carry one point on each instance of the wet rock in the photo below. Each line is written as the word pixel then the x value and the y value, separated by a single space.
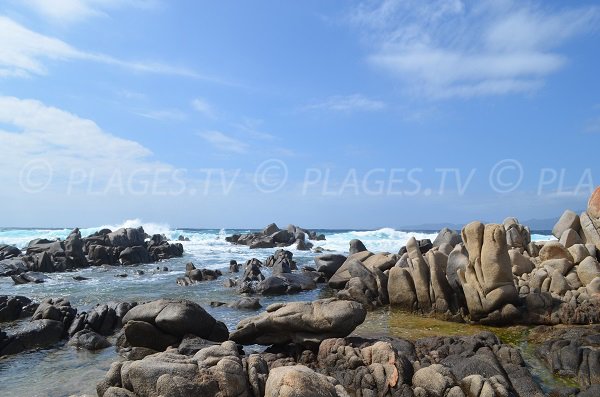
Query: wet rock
pixel 89 340
pixel 14 307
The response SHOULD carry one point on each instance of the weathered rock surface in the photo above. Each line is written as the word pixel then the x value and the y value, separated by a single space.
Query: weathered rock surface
pixel 300 322
pixel 162 323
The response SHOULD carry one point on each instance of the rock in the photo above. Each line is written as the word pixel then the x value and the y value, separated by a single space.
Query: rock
pixel 192 344
pixel 520 263
pixel 286 283
pixel 558 283
pixel 178 318
pixel 488 280
pixel 419 270
pixel 127 237
pixel 233 266
pixel 457 260
pixel 448 236
pixel 299 381
pixel 300 322
pixel 134 255
pixel 401 289
pixel 356 246
pixel 29 277
pixel 380 261
pixel 435 380
pixel 35 334
pixel 591 235
pixel 272 236
pixel 12 267
pixel 568 220
pixel 554 250
pixel 569 238
pixel 55 309
pixel 342 275
pixel 517 235
pixel 579 252
pixel 593 208
pixel 587 270
pixel 89 340
pixel 12 307
pixel 270 229
pixel 329 263
pixel 9 251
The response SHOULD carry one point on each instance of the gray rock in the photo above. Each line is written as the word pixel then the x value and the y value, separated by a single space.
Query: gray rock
pixel 329 263
pixel 356 246
pixel 448 236
pixel 568 220
pixel 300 322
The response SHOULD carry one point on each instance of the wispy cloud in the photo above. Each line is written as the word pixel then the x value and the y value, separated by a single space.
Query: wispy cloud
pixel 163 114
pixel 252 128
pixel 71 11
pixel 23 53
pixel 444 49
pixel 347 103
pixel 224 142
pixel 202 106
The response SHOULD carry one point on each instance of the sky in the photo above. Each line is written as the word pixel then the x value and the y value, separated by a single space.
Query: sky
pixel 332 114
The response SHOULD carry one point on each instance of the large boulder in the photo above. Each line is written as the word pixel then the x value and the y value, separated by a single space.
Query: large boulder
pixel 169 321
pixel 328 264
pixel 300 322
pixel 593 208
pixel 447 236
pixel 35 334
pixel 8 251
pixel 568 220
pixel 127 237
pixel 356 246
pixel 488 280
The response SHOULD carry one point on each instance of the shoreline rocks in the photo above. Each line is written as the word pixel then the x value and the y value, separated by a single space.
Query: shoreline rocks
pixel 272 236
pixel 126 246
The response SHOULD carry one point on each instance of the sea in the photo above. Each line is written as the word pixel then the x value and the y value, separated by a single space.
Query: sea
pixel 65 371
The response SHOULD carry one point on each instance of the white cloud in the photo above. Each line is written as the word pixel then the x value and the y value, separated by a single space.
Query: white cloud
pixel 348 103
pixel 64 141
pixel 23 53
pixel 163 114
pixel 224 142
pixel 69 11
pixel 454 49
pixel 202 106
pixel 251 127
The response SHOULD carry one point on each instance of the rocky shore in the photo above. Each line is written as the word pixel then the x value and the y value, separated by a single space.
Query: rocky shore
pixel 486 274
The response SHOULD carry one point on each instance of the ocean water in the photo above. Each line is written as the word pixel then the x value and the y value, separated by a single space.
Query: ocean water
pixel 64 371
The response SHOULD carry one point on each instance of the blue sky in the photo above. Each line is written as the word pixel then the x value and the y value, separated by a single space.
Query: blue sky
pixel 324 114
